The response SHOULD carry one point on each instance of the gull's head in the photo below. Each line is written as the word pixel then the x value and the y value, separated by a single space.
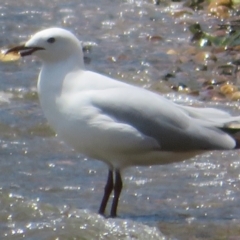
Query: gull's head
pixel 50 45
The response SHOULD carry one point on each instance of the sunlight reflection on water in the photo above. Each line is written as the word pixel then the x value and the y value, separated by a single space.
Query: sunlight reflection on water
pixel 45 187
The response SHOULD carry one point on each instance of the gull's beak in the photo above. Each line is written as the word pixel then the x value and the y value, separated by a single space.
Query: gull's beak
pixel 23 50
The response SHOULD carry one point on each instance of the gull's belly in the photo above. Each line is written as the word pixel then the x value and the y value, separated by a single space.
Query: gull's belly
pixel 80 136
pixel 94 143
pixel 84 139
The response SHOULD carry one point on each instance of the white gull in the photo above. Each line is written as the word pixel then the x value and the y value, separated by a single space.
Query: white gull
pixel 114 122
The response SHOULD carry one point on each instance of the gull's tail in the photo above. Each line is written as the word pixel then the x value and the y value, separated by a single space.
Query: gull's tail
pixel 216 118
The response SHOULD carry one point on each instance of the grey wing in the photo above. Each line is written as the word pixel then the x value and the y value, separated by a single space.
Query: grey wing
pixel 161 119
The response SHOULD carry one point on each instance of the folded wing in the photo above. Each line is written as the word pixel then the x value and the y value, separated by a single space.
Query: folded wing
pixel 174 127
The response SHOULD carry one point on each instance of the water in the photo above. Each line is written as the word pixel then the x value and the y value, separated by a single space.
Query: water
pixel 48 191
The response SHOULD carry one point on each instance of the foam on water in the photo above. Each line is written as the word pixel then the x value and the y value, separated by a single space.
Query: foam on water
pixel 34 220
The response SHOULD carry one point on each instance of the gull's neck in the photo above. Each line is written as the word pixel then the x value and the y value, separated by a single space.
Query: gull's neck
pixel 53 74
pixel 52 82
pixel 69 64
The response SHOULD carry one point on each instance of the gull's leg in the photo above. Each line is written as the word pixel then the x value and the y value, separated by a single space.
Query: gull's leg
pixel 117 192
pixel 107 191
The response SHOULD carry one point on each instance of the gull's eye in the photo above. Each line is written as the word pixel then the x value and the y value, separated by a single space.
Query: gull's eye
pixel 51 40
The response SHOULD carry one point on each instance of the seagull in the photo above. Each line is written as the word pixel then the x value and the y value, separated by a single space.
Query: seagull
pixel 117 123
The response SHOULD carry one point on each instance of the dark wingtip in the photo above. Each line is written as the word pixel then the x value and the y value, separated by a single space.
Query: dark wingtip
pixel 237 139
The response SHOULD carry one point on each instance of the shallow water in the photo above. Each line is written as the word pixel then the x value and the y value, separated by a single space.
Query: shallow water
pixel 47 191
